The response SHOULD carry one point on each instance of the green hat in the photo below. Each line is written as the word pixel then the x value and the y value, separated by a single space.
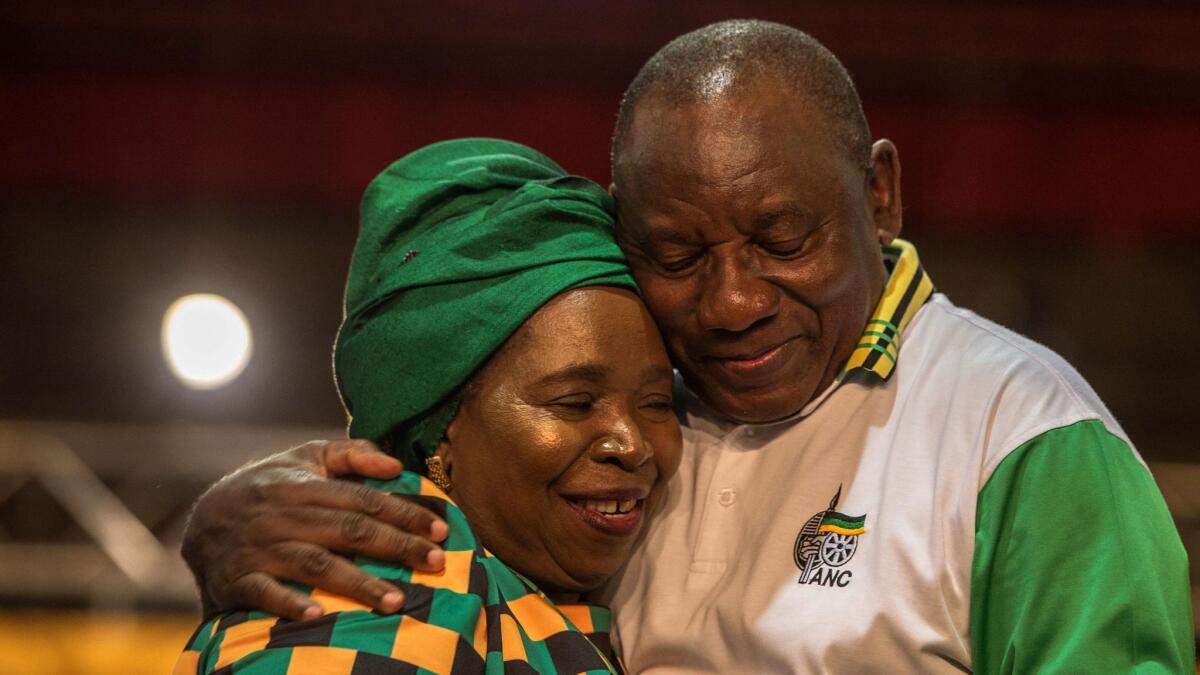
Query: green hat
pixel 460 243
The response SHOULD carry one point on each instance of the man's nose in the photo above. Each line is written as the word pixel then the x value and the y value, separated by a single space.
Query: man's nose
pixel 734 297
pixel 623 444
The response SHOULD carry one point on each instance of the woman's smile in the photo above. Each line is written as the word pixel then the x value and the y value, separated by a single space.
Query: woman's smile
pixel 615 513
pixel 615 523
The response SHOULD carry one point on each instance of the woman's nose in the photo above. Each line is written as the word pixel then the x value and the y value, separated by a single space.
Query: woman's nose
pixel 625 447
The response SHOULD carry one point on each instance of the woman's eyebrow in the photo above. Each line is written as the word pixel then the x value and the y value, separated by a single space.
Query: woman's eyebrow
pixel 589 372
pixel 597 373
pixel 655 373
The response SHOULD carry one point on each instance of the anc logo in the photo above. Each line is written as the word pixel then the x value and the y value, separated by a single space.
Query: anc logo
pixel 826 542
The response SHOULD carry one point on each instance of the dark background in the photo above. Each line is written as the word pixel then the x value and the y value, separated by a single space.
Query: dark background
pixel 152 150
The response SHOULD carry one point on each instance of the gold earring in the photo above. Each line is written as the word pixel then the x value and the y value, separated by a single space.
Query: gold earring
pixel 437 473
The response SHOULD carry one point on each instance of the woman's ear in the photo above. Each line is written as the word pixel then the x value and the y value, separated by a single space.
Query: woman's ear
pixel 445 449
pixel 439 465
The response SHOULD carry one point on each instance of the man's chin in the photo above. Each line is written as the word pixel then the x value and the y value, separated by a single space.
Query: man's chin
pixel 764 414
pixel 761 406
pixel 754 393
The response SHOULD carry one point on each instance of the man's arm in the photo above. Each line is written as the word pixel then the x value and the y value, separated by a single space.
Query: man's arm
pixel 280 519
pixel 1078 567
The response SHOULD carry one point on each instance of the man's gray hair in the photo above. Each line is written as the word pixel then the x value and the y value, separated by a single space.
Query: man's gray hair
pixel 723 57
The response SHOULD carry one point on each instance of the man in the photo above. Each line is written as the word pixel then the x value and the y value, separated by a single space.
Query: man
pixel 873 478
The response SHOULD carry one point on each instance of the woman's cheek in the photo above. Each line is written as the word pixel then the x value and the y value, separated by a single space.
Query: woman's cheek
pixel 545 447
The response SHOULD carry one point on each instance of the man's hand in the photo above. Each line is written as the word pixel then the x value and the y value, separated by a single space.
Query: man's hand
pixel 280 518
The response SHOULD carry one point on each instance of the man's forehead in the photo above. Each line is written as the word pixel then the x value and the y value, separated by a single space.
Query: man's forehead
pixel 765 173
pixel 731 132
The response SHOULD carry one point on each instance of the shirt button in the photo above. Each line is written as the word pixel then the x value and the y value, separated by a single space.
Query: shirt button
pixel 726 496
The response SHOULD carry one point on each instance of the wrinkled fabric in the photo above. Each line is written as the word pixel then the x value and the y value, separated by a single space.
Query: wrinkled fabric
pixel 460 242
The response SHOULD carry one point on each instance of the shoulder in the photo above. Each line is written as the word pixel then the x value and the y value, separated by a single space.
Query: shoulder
pixel 1077 560
pixel 437 628
pixel 977 350
pixel 342 641
pixel 993 379
pixel 439 622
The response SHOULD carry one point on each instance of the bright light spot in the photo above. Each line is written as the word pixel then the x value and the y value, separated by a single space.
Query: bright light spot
pixel 206 340
pixel 716 81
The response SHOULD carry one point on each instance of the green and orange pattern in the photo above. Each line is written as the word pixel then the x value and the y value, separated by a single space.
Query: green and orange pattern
pixel 476 616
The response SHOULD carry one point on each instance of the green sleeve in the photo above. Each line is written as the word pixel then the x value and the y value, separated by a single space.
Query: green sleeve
pixel 1078 567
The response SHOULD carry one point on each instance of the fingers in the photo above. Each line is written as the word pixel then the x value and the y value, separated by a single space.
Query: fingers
pixel 262 592
pixel 361 503
pixel 353 532
pixel 357 457
pixel 274 519
pixel 314 566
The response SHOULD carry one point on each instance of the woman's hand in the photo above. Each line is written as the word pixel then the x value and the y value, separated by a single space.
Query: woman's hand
pixel 280 518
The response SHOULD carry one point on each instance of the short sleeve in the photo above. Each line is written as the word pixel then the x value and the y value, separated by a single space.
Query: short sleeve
pixel 1078 567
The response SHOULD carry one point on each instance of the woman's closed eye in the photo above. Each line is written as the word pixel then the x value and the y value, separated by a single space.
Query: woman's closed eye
pixel 658 406
pixel 576 403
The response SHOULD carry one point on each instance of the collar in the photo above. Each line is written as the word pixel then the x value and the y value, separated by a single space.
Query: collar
pixel 908 287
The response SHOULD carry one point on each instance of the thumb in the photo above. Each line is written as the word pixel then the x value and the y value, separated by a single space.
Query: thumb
pixel 358 457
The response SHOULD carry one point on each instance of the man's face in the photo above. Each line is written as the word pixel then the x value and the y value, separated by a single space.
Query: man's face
pixel 755 239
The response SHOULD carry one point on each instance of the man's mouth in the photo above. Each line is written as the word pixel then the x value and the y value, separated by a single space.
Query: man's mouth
pixel 757 364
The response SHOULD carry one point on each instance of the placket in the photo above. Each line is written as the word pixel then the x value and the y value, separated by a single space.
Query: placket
pixel 720 525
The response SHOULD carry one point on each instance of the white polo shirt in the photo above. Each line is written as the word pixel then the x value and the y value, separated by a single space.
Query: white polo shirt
pixel 922 515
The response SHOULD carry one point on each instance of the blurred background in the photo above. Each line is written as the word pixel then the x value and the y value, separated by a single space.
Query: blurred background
pixel 154 151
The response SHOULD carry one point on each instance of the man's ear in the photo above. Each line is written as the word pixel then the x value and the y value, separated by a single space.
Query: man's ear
pixel 883 190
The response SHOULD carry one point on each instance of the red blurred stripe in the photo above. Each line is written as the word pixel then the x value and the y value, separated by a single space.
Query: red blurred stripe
pixel 965 166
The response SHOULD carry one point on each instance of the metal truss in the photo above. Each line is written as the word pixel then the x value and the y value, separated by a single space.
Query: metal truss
pixel 93 514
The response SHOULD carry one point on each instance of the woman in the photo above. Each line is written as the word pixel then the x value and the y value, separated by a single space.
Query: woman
pixel 494 337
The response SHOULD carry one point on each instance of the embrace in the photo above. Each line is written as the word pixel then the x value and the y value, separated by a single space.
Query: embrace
pixel 721 398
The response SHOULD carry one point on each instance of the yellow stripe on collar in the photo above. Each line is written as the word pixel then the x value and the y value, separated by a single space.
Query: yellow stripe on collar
pixel 908 288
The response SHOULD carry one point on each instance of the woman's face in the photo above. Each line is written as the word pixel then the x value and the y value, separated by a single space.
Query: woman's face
pixel 564 442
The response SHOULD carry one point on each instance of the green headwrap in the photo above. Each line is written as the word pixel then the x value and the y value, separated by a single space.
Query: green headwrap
pixel 460 243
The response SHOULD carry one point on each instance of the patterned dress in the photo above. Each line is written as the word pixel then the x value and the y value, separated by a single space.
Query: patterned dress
pixel 476 616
